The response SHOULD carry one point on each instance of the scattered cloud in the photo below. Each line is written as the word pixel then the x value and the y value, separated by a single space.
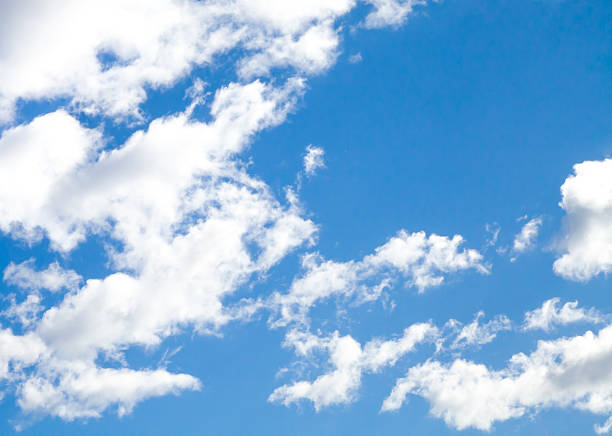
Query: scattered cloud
pixel 525 240
pixel 422 261
pixel 313 159
pixel 390 12
pixel 549 315
pixel 355 58
pixel 349 361
pixel 476 333
pixel 568 372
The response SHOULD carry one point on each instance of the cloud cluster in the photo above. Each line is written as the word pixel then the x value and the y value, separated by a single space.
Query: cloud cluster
pixel 192 225
pixel 183 222
pixel 422 261
pixel 185 225
pixel 348 361
pixel 568 372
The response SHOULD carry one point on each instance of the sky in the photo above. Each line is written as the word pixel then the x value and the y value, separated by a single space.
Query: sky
pixel 323 217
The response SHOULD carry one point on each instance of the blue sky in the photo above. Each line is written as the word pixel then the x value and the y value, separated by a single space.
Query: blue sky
pixel 325 217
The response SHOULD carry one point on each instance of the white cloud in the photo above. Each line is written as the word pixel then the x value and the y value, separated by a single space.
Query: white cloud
pixel 568 372
pixel 421 260
pixel 587 239
pixel 86 391
pixel 476 333
pixel 53 278
pixel 192 226
pixel 525 240
pixel 17 351
pixel 26 312
pixel 32 166
pixel 550 315
pixel 185 224
pixel 349 361
pixel 105 60
pixel 313 159
pixel 390 12
pixel 605 427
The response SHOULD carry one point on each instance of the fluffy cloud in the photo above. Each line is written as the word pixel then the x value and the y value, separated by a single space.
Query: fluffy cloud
pixel 313 159
pixel 587 240
pixel 105 61
pixel 390 12
pixel 419 259
pixel 86 391
pixel 349 361
pixel 476 333
pixel 568 372
pixel 184 223
pixel 191 225
pixel 54 278
pixel 527 236
pixel 550 315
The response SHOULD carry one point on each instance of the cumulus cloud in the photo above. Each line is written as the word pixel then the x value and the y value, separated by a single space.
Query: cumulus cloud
pixel 568 372
pixel 550 315
pixel 421 260
pixel 587 238
pixel 184 223
pixel 193 226
pixel 86 390
pixel 349 360
pixel 105 61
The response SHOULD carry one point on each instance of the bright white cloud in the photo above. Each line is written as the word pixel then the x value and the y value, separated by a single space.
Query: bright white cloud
pixel 313 159
pixel 105 61
pixel 193 226
pixel 185 224
pixel 421 260
pixel 17 351
pixel 525 240
pixel 86 391
pixel 587 238
pixel 568 372
pixel 349 361
pixel 550 315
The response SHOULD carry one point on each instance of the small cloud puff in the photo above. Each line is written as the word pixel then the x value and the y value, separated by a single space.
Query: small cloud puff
pixel 313 160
